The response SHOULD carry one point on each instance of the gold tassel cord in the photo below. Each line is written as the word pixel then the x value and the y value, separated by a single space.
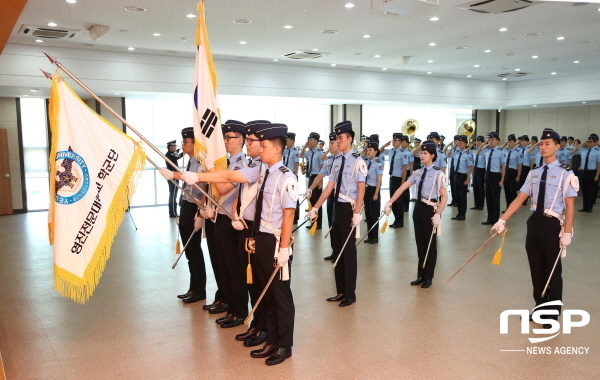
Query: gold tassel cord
pixel 498 255
pixel 178 247
pixel 249 274
pixel 385 224
pixel 309 206
pixel 313 228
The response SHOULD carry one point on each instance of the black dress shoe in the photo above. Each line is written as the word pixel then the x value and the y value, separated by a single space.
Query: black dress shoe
pixel 256 339
pixel 583 210
pixel 589 210
pixel 418 281
pixel 397 226
pixel 455 217
pixel 279 356
pixel 336 298
pixel 186 295
pixel 426 283
pixel 194 298
pixel 224 319
pixel 347 302
pixel 459 218
pixel 487 223
pixel 220 308
pixel 474 208
pixel 406 209
pixel 243 336
pixel 330 257
pixel 367 241
pixel 264 352
pixel 480 208
pixel 235 322
pixel 374 241
pixel 211 305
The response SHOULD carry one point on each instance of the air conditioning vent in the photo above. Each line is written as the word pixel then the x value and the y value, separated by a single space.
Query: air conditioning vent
pixel 302 54
pixel 46 32
pixel 407 8
pixel 496 6
pixel 513 75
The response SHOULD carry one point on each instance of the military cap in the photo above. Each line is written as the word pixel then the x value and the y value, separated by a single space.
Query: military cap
pixel 171 143
pixel 550 134
pixel 271 131
pixel 187 133
pixel 512 137
pixel 343 127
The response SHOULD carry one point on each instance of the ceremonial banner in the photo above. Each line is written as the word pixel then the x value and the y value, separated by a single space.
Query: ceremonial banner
pixel 209 147
pixel 94 168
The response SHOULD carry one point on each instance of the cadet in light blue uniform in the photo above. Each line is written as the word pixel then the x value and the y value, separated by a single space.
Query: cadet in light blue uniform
pixel 409 159
pixel 535 158
pixel 564 154
pixel 432 196
pixel 514 166
pixel 494 175
pixel 590 169
pixel 479 176
pixel 398 169
pixel 553 188
pixel 314 164
pixel 291 161
pixel 372 192
pixel 526 159
pixel 463 168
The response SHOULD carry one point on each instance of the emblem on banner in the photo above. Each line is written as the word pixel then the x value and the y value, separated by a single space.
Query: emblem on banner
pixel 72 177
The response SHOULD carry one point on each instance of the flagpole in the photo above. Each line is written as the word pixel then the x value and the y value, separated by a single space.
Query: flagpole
pixel 144 139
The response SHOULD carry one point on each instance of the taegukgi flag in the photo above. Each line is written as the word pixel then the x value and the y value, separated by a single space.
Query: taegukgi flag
pixel 209 146
pixel 94 168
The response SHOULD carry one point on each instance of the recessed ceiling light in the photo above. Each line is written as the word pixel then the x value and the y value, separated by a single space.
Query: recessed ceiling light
pixel 156 34
pixel 333 64
pixel 243 42
pixel 535 34
pixel 276 60
pixel 39 40
pixel 535 105
pixel 553 73
pixel 503 78
pixel 71 1
pixel 133 8
pixel 35 89
pixel 315 49
pixel 190 15
pixel 586 42
pixel 52 24
pixel 25 95
pixel 575 61
pixel 329 31
pixel 377 56
pixel 461 48
pixel 240 21
pixel 366 36
pixel 349 5
pixel 432 44
pixel 475 65
pixel 117 93
pixel 517 69
pixel 429 72
pixel 503 29
pixel 288 27
pixel 430 61
pixel 130 48
pixel 469 76
pixel 560 38
pixel 583 102
pixel 434 19
pixel 487 51
pixel 384 69
pixel 534 56
pixel 511 54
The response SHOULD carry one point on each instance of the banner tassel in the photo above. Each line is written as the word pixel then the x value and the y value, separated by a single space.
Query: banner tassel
pixel 498 254
pixel 178 247
pixel 313 229
pixel 385 224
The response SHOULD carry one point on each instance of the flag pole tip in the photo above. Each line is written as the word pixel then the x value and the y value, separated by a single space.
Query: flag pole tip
pixel 51 58
pixel 46 74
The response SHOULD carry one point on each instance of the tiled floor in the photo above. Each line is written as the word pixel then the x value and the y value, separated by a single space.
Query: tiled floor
pixel 134 327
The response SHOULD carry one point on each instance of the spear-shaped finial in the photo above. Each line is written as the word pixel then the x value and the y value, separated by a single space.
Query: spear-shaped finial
pixel 46 74
pixel 51 58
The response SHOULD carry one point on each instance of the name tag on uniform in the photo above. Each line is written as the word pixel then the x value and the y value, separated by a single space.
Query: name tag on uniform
pixel 534 176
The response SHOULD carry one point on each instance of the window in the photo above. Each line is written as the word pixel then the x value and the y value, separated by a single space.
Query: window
pixel 35 152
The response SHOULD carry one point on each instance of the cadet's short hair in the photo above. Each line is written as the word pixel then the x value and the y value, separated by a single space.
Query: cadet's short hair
pixel 279 141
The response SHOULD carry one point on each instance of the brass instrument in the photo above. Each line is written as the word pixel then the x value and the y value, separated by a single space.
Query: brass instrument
pixel 409 128
pixel 467 128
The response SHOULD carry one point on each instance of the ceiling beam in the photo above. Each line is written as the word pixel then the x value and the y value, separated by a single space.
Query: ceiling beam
pixel 11 11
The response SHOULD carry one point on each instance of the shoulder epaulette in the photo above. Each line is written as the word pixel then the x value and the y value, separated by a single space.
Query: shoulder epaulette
pixel 356 154
pixel 436 168
pixel 239 158
pixel 284 169
pixel 565 166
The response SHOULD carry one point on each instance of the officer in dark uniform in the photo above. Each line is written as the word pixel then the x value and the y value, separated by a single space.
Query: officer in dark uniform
pixel 372 191
pixel 478 177
pixel 514 165
pixel 494 175
pixel 174 155
pixel 590 167
pixel 553 188
pixel 432 196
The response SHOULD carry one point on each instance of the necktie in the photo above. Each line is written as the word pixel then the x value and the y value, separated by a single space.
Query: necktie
pixel 454 164
pixel 476 160
pixel 539 210
pixel 490 160
pixel 338 184
pixel 228 162
pixel 392 163
pixel 457 166
pixel 369 168
pixel 421 183
pixel 508 159
pixel 310 163
pixel 587 159
pixel 259 204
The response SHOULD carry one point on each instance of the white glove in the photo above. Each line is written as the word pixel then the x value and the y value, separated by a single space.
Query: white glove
pixel 565 239
pixel 500 226
pixel 308 194
pixel 237 224
pixel 190 177
pixel 312 215
pixel 166 173
pixel 387 208
pixel 198 222
pixel 356 218
pixel 283 256
pixel 435 220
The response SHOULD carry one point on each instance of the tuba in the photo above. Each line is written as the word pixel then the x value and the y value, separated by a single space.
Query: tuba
pixel 409 128
pixel 302 164
pixel 467 128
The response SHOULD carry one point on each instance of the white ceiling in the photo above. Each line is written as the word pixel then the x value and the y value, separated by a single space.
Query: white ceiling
pixel 391 36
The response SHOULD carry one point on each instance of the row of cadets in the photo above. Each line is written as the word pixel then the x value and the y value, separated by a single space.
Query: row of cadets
pixel 372 192
pixel 399 163
pixel 526 160
pixel 190 221
pixel 347 182
pixel 590 169
pixel 552 188
pixel 416 166
pixel 463 168
pixel 314 164
pixel 292 162
pixel 564 155
pixel 451 151
pixel 514 166
pixel 535 157
pixel 334 153
pixel 494 175
pixel 272 226
pixel 174 155
pixel 432 195
pixel 478 176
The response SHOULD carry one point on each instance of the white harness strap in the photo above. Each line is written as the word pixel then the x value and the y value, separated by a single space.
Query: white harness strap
pixel 276 231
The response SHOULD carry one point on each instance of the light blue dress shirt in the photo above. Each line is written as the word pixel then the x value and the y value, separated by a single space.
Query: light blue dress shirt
pixel 290 157
pixel 531 186
pixel 497 159
pixel 592 161
pixel 429 181
pixel 463 160
pixel 313 160
pixel 374 169
pixel 349 185
pixel 398 158
pixel 236 162
pixel 516 157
